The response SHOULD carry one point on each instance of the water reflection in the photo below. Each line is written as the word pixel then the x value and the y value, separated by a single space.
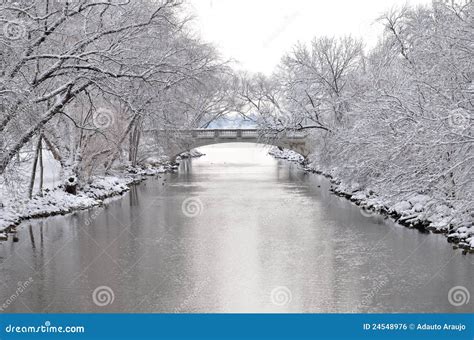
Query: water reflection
pixel 267 238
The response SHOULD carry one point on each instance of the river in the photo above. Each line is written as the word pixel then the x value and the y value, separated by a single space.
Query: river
pixel 233 231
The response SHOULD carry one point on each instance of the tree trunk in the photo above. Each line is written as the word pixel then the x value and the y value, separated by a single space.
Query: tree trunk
pixel 71 185
pixel 53 150
pixel 41 165
pixel 134 143
pixel 33 170
pixel 117 150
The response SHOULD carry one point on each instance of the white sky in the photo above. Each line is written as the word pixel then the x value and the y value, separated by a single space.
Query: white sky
pixel 256 33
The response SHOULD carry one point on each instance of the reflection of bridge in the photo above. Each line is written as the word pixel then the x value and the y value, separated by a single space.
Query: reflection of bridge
pixel 178 141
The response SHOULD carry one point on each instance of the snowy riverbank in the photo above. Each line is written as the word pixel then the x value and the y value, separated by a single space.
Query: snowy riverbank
pixel 14 208
pixel 413 210
pixel 56 201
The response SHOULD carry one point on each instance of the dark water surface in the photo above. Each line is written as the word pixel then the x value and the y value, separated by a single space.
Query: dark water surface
pixel 234 231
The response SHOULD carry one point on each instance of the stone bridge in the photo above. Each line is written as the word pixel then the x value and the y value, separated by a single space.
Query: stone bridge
pixel 179 141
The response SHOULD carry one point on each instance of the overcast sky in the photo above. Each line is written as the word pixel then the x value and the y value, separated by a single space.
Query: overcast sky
pixel 256 33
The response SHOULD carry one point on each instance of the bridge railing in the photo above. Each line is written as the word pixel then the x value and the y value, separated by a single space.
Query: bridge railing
pixel 233 133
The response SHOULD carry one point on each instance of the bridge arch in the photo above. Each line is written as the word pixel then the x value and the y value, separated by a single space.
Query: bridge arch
pixel 185 140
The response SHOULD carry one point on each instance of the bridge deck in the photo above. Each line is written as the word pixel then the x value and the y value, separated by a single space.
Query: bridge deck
pixel 233 133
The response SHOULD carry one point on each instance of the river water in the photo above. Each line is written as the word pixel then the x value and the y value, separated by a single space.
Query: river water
pixel 234 231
